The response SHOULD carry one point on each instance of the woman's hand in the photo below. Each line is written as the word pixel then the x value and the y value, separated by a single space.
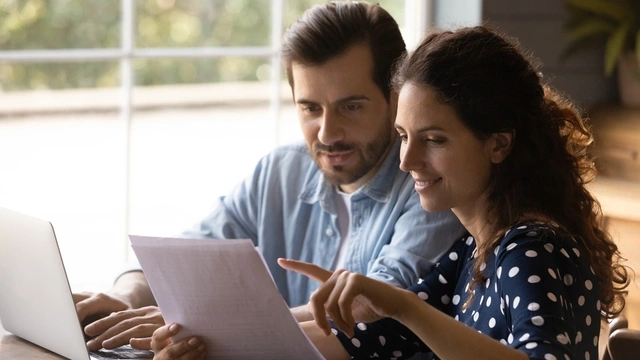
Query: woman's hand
pixel 348 297
pixel 190 348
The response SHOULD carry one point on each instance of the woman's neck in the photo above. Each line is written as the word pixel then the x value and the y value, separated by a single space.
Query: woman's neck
pixel 480 229
pixel 475 218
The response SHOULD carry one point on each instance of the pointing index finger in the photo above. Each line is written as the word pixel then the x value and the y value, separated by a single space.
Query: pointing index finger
pixel 307 269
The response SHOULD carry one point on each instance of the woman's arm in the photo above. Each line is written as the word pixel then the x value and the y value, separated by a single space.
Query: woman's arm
pixel 447 337
pixel 328 345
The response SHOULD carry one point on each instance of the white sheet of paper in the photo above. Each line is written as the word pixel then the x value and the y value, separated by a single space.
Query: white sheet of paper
pixel 221 291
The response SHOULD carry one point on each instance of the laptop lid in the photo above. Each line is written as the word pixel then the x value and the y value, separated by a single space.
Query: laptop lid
pixel 36 302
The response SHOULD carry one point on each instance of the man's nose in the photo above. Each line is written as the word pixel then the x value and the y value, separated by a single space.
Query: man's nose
pixel 331 130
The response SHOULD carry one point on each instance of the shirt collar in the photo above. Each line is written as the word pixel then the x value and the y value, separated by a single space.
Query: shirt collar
pixel 378 188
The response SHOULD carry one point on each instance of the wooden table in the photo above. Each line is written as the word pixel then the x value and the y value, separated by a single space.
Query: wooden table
pixel 13 347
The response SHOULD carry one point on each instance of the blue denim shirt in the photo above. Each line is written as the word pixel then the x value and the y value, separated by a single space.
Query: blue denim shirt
pixel 286 208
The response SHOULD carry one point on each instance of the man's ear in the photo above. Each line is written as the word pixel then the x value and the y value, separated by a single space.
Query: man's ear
pixel 500 146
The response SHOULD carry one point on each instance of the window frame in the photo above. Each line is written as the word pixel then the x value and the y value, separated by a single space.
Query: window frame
pixel 417 20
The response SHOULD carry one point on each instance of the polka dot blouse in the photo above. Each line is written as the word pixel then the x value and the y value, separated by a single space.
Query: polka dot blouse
pixel 540 297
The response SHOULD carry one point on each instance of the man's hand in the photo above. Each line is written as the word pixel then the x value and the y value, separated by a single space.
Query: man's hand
pixel 133 327
pixel 190 348
pixel 124 315
pixel 93 306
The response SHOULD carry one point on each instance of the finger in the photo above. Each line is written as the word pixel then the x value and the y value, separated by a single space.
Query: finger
pixel 123 338
pixel 122 332
pixel 140 343
pixel 309 270
pixel 332 304
pixel 161 336
pixel 316 308
pixel 353 288
pixel 187 349
pixel 85 308
pixel 123 320
pixel 100 326
pixel 113 327
pixel 318 300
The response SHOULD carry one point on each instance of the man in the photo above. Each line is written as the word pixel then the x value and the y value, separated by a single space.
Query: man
pixel 338 201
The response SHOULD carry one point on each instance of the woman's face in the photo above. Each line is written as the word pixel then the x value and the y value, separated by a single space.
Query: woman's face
pixel 451 166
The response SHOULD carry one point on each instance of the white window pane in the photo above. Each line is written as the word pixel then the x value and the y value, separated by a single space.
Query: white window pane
pixel 61 161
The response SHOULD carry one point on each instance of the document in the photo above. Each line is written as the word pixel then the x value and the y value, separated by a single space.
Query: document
pixel 222 292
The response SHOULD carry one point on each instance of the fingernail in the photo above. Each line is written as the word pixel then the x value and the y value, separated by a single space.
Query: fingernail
pixel 193 341
pixel 201 347
pixel 173 328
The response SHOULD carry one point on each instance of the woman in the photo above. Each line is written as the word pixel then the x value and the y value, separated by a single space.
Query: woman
pixel 484 137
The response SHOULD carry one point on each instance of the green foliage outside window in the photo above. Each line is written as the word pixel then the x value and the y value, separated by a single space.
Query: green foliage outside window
pixel 96 24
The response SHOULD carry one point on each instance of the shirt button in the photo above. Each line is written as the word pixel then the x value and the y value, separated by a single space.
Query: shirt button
pixel 329 232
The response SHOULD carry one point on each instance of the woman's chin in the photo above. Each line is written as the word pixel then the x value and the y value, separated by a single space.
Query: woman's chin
pixel 432 206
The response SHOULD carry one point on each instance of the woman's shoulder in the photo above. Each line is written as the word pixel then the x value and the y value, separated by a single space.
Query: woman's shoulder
pixel 529 238
pixel 534 231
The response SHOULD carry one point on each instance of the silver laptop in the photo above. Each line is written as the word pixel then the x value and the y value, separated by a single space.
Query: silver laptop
pixel 36 302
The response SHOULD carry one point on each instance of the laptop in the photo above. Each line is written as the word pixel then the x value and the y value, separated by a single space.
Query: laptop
pixel 36 302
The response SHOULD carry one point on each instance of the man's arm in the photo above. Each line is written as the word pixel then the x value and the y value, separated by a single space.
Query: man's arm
pixel 419 240
pixel 132 286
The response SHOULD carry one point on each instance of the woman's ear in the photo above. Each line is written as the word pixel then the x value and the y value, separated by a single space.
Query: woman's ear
pixel 500 146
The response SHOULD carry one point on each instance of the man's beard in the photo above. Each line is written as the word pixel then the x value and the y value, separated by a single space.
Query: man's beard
pixel 366 159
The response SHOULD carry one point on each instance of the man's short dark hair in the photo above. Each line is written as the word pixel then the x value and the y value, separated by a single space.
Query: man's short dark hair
pixel 325 31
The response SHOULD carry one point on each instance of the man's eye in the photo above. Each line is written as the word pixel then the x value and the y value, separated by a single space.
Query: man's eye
pixel 352 107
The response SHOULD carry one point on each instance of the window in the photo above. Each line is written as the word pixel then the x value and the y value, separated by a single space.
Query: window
pixel 134 116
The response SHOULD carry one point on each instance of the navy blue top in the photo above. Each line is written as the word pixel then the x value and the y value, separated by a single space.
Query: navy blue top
pixel 540 297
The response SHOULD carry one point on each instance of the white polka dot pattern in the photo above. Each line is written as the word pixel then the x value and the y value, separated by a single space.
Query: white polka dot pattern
pixel 542 286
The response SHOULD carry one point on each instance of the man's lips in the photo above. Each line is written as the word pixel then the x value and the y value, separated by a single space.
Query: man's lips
pixel 336 158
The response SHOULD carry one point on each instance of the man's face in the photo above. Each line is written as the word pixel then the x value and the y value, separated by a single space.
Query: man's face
pixel 345 119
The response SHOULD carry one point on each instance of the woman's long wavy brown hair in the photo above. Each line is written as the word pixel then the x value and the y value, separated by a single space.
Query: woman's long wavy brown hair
pixel 493 87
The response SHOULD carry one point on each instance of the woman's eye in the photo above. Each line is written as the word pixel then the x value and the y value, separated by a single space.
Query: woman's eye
pixel 435 141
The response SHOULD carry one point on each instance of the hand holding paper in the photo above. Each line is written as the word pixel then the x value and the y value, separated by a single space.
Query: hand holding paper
pixel 221 291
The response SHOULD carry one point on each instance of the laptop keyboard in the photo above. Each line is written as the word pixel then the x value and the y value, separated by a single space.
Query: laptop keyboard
pixel 123 352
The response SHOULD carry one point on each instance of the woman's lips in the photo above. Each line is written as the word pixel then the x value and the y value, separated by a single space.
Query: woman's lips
pixel 425 184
